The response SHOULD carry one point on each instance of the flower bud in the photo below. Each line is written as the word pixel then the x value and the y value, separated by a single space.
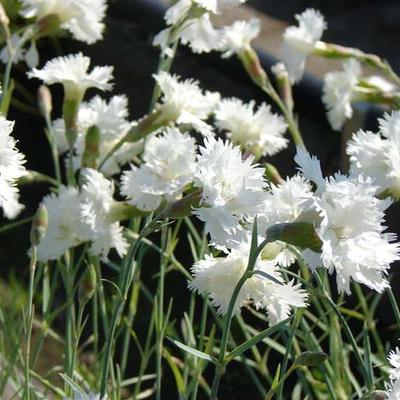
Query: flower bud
pixel 39 225
pixel 272 174
pixel 310 358
pixel 47 25
pixel 44 101
pixel 272 249
pixel 91 152
pixel 87 285
pixel 299 234
pixel 184 207
pixel 70 115
pixel 284 85
pixel 252 65
pixel 4 20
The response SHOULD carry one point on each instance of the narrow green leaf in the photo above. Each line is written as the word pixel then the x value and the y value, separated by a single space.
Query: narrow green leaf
pixel 180 385
pixel 256 339
pixel 194 352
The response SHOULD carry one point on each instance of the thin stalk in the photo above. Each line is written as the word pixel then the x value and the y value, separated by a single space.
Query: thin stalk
pixel 53 147
pixel 394 305
pixel 32 268
pixel 160 317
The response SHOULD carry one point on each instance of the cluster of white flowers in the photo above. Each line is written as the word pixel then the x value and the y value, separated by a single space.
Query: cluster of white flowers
pixel 82 216
pixel 82 18
pixel 168 166
pixel 348 219
pixel 377 155
pixel 11 169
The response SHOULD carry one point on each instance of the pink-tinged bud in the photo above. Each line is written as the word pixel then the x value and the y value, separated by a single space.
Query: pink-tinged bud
pixel 47 25
pixel 272 174
pixel 87 285
pixel 253 67
pixel 299 234
pixel 91 152
pixel 44 101
pixel 39 225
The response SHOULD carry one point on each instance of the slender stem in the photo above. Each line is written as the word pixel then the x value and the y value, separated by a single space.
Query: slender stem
pixel 394 305
pixel 160 317
pixel 53 146
pixel 30 315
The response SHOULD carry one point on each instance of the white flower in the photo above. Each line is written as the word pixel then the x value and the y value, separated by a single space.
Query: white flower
pixel 65 228
pixel 284 203
pixel 185 103
pixel 169 164
pixel 248 127
pixel 82 18
pixel 299 41
pixel 96 207
pixel 111 120
pixel 394 360
pixel 11 169
pixel 349 224
pixel 238 36
pixel 377 155
pixel 393 390
pixel 215 6
pixel 219 276
pixel 72 72
pixel 232 188
pixel 338 92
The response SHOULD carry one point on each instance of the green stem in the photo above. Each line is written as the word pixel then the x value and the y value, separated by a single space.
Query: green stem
pixel 30 315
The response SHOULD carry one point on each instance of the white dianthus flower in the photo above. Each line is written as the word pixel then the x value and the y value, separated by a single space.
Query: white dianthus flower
pixel 299 41
pixel 350 226
pixel 394 360
pixel 232 188
pixel 195 29
pixel 96 212
pixel 238 36
pixel 249 127
pixel 111 120
pixel 185 103
pixel 219 276
pixel 11 169
pixel 169 164
pixel 72 72
pixel 82 18
pixel 377 155
pixel 338 92
pixel 65 228
pixel 285 203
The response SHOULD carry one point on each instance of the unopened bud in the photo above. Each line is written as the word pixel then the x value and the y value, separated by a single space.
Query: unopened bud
pixel 252 65
pixel 272 249
pixel 91 152
pixel 311 358
pixel 284 85
pixel 70 115
pixel 299 234
pixel 376 395
pixel 44 101
pixel 39 225
pixel 4 20
pixel 121 211
pixel 184 207
pixel 47 25
pixel 87 285
pixel 272 174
